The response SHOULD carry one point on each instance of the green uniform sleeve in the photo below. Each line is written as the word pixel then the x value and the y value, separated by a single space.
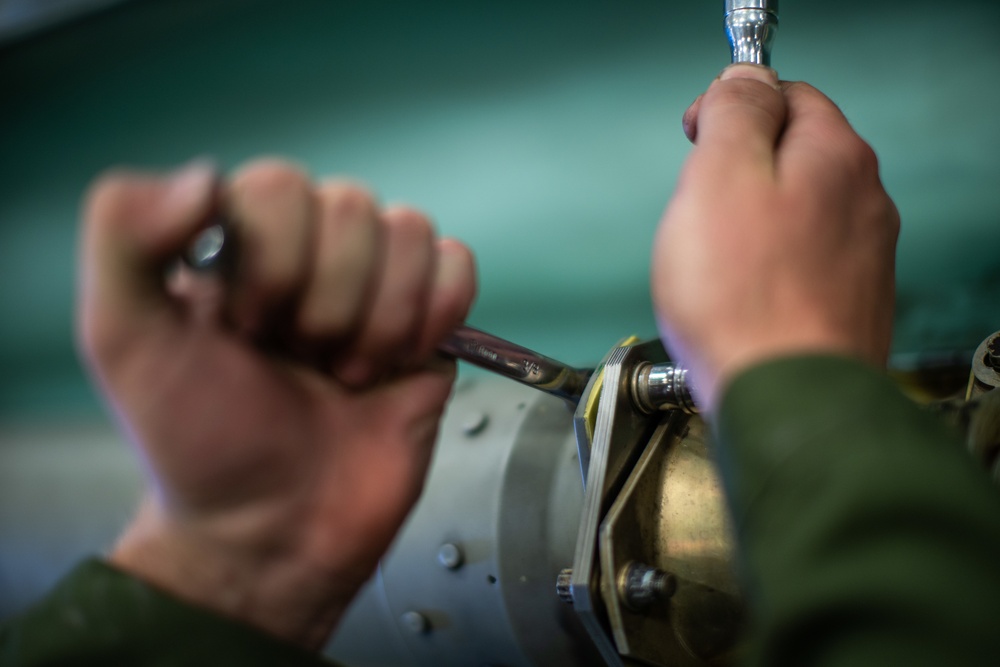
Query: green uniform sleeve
pixel 98 615
pixel 867 535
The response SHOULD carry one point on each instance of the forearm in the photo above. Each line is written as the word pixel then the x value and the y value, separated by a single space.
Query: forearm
pixel 867 535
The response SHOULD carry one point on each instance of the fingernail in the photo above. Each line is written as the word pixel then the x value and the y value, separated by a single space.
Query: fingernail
pixel 755 72
pixel 689 119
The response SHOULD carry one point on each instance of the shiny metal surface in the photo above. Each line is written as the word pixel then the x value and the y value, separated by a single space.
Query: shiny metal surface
pixel 641 586
pixel 671 516
pixel 751 26
pixel 620 433
pixel 507 497
pixel 205 251
pixel 511 560
pixel 663 387
pixel 516 363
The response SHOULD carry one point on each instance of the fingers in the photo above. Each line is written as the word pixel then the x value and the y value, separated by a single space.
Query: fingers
pixel 689 121
pixel 134 225
pixel 819 141
pixel 383 291
pixel 739 119
pixel 272 208
pixel 388 334
pixel 452 293
pixel 347 253
pixel 321 272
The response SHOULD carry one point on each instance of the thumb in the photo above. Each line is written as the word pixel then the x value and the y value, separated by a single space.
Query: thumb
pixel 134 225
pixel 740 117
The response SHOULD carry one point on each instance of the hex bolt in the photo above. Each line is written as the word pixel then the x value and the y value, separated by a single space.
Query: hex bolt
pixel 415 623
pixel 639 586
pixel 475 424
pixel 564 585
pixel 662 387
pixel 450 556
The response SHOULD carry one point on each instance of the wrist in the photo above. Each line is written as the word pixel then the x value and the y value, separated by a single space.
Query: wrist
pixel 717 358
pixel 269 588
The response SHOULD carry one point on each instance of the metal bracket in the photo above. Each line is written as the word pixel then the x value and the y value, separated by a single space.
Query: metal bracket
pixel 620 433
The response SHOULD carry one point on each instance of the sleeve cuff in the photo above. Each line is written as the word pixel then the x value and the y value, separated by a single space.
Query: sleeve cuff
pixel 811 411
pixel 100 615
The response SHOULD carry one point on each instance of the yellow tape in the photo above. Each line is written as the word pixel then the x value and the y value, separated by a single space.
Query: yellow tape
pixel 590 410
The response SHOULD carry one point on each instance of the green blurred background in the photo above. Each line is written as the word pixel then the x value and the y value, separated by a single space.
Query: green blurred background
pixel 544 133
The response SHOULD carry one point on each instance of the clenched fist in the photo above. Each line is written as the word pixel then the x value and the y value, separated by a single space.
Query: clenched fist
pixel 285 412
pixel 780 238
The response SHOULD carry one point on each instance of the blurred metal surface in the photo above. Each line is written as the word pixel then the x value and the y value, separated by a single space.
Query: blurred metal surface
pixel 206 250
pixel 507 497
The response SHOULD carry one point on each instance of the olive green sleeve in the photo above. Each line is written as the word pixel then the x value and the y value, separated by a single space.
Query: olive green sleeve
pixel 867 535
pixel 98 615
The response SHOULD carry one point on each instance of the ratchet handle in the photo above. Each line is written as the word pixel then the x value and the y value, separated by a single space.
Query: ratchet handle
pixel 210 250
pixel 517 363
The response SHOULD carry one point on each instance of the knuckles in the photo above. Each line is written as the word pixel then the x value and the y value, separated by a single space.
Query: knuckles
pixel 109 197
pixel 348 201
pixel 410 224
pixel 268 178
pixel 858 157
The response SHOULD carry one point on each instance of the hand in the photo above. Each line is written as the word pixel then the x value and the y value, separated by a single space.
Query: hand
pixel 285 417
pixel 780 238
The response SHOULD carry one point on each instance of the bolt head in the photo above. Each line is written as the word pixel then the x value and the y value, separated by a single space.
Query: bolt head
pixel 640 586
pixel 415 623
pixel 475 424
pixel 450 556
pixel 207 247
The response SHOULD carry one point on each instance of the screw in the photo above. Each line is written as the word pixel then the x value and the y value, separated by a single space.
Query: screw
pixel 475 424
pixel 639 586
pixel 564 585
pixel 415 622
pixel 450 556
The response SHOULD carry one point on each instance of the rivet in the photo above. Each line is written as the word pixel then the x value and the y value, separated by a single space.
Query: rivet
pixel 450 556
pixel 475 423
pixel 415 623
